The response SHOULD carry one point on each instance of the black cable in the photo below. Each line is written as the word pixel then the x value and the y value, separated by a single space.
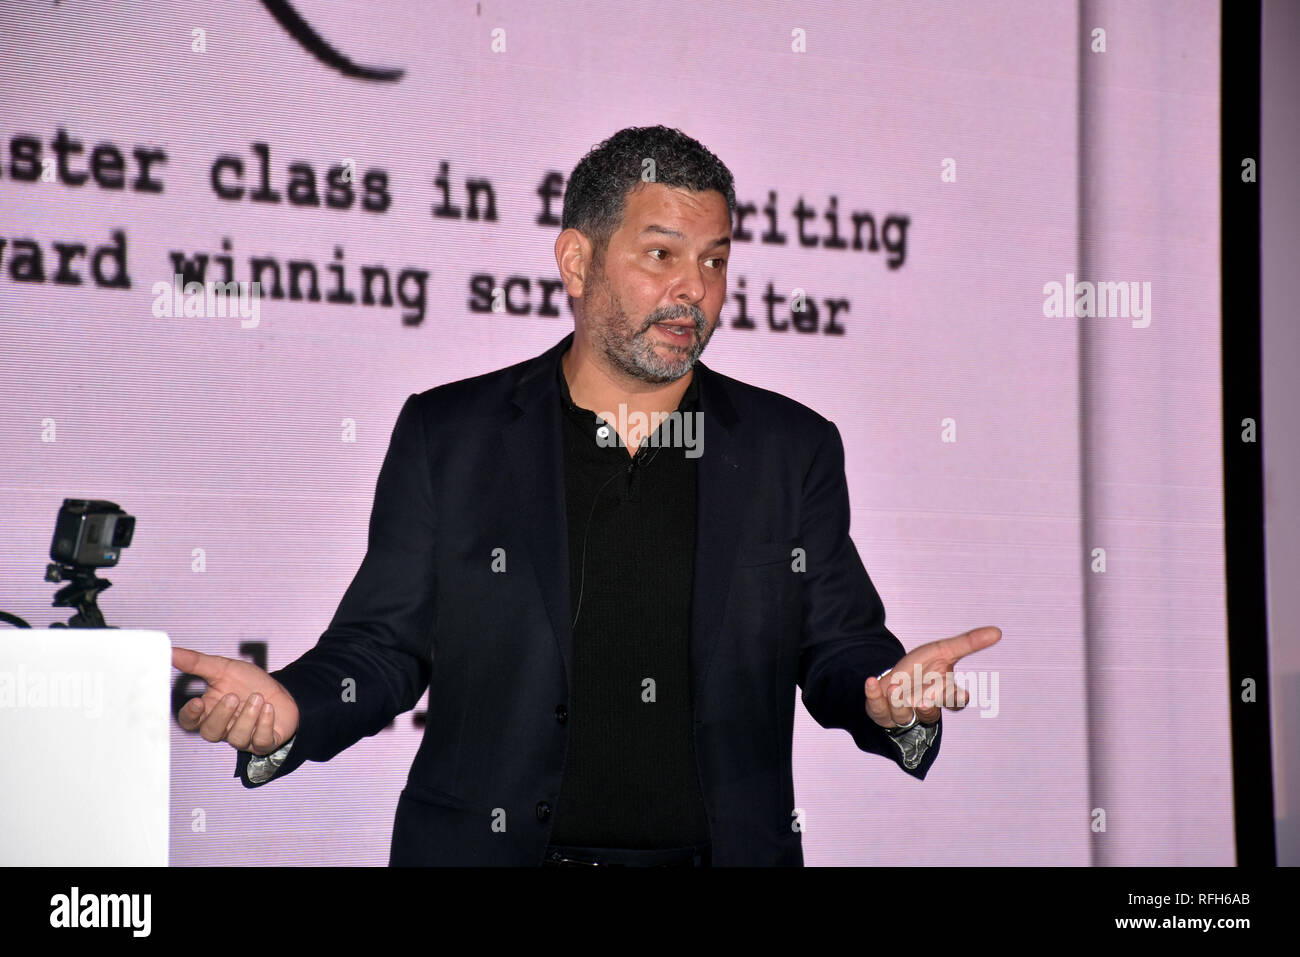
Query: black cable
pixel 13 620
pixel 582 577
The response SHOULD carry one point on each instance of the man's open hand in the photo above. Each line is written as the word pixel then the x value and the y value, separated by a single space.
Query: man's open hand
pixel 892 704
pixel 243 706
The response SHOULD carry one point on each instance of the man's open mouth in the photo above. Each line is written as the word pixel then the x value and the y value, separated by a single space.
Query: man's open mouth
pixel 678 330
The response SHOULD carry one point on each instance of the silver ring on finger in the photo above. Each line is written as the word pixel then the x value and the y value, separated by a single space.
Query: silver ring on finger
pixel 911 724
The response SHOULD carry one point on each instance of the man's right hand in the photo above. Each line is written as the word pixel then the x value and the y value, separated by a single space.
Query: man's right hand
pixel 243 706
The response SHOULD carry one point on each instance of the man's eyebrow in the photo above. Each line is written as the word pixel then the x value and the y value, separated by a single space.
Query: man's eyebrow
pixel 677 234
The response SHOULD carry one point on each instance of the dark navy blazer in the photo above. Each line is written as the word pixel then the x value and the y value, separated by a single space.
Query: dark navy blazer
pixel 476 466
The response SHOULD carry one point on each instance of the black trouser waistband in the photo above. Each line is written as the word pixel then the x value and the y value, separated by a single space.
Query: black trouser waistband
pixel 559 856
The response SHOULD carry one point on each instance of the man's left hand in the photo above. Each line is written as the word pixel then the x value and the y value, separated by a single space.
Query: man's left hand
pixel 892 703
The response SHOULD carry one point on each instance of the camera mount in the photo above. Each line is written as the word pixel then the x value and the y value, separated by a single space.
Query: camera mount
pixel 81 592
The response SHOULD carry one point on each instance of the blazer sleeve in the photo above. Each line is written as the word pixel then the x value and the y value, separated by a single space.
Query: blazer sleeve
pixel 373 661
pixel 844 639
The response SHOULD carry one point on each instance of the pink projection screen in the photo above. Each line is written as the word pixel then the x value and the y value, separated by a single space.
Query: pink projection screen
pixel 919 170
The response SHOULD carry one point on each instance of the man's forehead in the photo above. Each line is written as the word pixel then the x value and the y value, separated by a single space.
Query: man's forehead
pixel 669 211
pixel 658 229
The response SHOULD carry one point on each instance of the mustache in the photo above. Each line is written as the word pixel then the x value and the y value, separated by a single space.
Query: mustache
pixel 694 313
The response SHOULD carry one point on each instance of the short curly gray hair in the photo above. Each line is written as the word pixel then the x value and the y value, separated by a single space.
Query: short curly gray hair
pixel 595 198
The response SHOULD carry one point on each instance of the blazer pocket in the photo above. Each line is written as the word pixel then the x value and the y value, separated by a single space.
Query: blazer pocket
pixel 767 553
pixel 428 795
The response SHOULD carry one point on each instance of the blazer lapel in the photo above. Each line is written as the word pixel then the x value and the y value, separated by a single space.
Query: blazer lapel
pixel 533 449
pixel 726 485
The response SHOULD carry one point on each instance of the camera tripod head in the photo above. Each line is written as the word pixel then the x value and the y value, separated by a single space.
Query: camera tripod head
pixel 81 591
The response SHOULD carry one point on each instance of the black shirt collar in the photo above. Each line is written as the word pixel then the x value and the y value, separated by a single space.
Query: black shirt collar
pixel 690 398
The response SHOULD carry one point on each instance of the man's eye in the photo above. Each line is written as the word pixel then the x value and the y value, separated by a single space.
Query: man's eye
pixel 721 261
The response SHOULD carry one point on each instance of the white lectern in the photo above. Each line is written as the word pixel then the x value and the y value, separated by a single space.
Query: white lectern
pixel 84 733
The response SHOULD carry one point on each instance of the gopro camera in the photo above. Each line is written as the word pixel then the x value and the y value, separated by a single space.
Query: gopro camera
pixel 91 533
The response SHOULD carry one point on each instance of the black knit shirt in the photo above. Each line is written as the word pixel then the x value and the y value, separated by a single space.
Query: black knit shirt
pixel 630 776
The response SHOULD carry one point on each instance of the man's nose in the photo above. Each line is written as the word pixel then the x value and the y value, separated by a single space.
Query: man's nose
pixel 689 289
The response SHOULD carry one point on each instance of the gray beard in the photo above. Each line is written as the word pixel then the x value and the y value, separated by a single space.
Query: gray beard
pixel 639 358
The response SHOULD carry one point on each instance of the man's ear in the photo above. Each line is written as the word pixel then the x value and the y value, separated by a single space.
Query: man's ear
pixel 573 256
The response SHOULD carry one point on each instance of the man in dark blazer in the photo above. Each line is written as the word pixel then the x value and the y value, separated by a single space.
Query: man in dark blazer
pixel 480 570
